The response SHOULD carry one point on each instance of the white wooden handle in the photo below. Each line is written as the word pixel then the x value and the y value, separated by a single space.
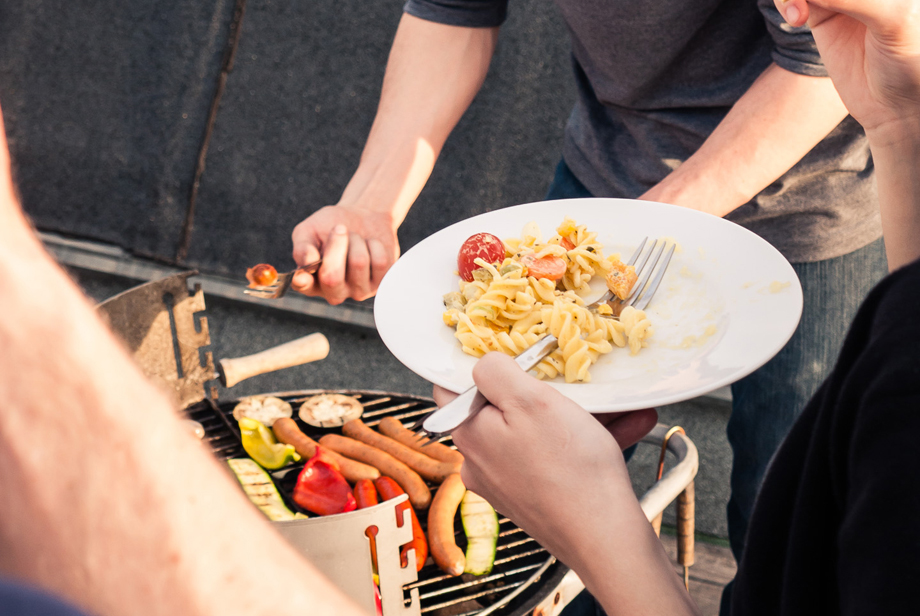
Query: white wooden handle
pixel 293 353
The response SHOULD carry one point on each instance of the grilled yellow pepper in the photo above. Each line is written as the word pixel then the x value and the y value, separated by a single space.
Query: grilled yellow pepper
pixel 260 444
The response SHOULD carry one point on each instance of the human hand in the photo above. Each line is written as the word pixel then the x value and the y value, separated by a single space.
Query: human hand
pixel 872 51
pixel 357 246
pixel 538 457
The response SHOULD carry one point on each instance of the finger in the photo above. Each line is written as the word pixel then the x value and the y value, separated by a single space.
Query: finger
pixel 509 388
pixel 358 272
pixel 305 244
pixel 331 273
pixel 795 12
pixel 302 282
pixel 380 261
pixel 489 423
pixel 881 18
pixel 442 396
pixel 629 428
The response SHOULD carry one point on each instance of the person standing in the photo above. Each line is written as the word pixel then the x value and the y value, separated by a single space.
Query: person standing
pixel 698 104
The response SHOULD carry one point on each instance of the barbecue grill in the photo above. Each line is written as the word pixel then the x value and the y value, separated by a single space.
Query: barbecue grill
pixel 165 329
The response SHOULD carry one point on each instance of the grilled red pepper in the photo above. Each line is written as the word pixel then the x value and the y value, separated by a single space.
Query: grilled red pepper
pixel 321 488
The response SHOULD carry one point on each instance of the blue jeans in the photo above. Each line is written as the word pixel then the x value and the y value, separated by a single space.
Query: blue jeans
pixel 766 403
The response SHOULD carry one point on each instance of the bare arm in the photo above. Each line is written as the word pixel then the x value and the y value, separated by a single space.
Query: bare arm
pixel 872 51
pixel 766 132
pixel 108 501
pixel 897 161
pixel 552 467
pixel 432 75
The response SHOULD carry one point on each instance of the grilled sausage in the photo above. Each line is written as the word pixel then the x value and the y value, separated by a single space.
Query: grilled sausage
pixel 444 550
pixel 433 470
pixel 365 493
pixel 409 480
pixel 390 489
pixel 395 430
pixel 287 431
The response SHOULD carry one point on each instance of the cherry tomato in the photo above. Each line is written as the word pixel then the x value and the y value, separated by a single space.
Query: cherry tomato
pixel 551 268
pixel 483 246
pixel 261 275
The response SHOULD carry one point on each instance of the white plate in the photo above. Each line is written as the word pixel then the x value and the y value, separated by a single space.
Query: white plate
pixel 728 303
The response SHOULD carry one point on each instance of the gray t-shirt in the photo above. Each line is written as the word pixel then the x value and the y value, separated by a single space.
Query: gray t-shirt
pixel 655 77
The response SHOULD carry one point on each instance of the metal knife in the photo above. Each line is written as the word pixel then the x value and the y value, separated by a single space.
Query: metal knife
pixel 470 402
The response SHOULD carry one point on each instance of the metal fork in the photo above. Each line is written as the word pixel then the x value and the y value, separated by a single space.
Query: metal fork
pixel 642 291
pixel 442 421
pixel 280 287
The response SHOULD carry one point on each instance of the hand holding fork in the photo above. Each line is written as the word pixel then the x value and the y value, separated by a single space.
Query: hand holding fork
pixel 441 421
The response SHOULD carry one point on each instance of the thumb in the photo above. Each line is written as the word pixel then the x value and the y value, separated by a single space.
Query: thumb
pixel 508 387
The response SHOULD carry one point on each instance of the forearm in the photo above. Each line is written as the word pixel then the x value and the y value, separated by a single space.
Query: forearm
pixel 896 150
pixel 432 75
pixel 109 501
pixel 779 119
pixel 621 561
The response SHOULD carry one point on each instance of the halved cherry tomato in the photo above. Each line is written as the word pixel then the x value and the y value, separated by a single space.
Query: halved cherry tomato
pixel 261 275
pixel 483 246
pixel 566 243
pixel 551 268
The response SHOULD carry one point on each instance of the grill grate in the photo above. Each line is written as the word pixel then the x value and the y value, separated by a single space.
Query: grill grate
pixel 523 573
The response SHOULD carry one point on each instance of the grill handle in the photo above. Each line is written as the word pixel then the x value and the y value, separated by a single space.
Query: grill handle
pixel 294 353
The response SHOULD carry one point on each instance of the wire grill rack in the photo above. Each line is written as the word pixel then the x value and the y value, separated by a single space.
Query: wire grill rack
pixel 524 572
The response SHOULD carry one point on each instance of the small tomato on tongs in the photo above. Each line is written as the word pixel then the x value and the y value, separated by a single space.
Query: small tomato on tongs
pixel 262 275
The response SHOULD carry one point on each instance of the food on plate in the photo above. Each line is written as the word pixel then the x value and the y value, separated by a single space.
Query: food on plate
pixel 389 489
pixel 321 488
pixel 621 278
pixel 330 410
pixel 264 409
pixel 444 550
pixel 480 524
pixel 262 275
pixel 394 429
pixel 287 431
pixel 423 464
pixel 483 246
pixel 194 427
pixel 539 289
pixel 409 480
pixel 549 267
pixel 365 493
pixel 260 444
pixel 261 490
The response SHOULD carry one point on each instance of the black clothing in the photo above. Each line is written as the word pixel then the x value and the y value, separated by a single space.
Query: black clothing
pixel 834 528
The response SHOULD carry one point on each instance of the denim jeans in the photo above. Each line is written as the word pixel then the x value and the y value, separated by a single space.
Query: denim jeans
pixel 766 403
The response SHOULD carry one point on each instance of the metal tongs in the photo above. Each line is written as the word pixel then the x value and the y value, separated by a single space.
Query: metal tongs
pixel 280 287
